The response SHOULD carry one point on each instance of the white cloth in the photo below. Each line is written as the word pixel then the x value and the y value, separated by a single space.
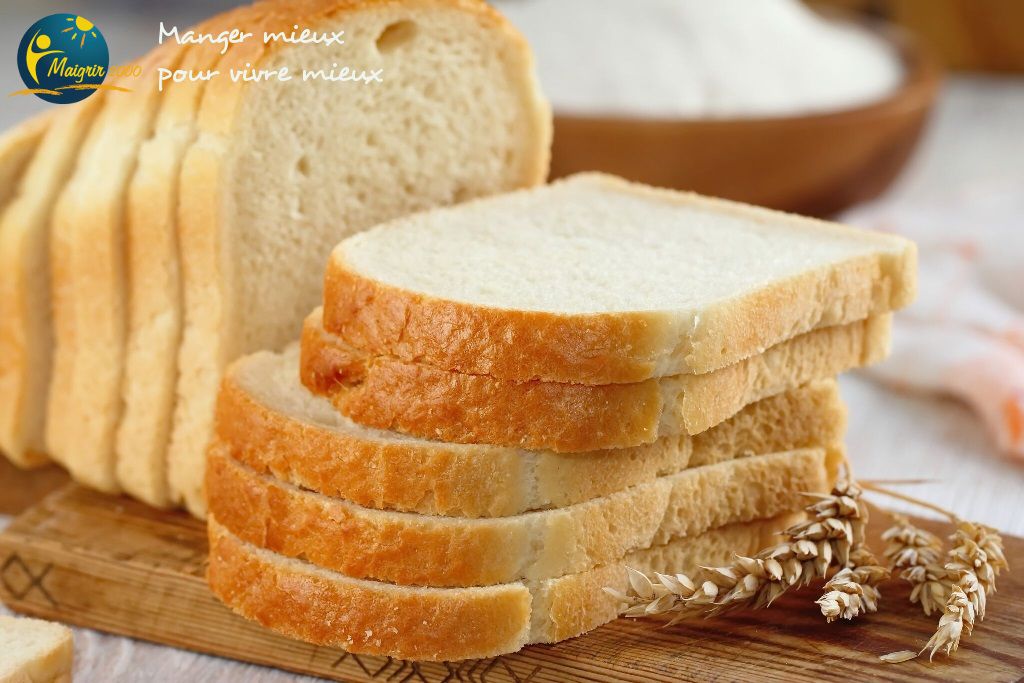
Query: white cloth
pixel 964 336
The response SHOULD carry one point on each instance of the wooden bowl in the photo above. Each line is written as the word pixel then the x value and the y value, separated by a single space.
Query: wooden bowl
pixel 815 164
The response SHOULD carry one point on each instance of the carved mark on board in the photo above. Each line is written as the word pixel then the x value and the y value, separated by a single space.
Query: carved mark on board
pixel 496 670
pixel 19 580
pixel 372 670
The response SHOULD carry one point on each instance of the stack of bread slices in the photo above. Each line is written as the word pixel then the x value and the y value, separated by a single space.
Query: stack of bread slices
pixel 503 404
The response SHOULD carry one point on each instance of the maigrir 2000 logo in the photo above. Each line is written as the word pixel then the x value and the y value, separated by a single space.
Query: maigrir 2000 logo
pixel 63 58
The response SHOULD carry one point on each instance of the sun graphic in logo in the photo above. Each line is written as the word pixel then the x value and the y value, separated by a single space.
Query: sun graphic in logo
pixel 80 24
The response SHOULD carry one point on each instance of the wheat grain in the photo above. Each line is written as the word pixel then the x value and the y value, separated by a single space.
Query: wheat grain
pixel 909 546
pixel 958 614
pixel 913 555
pixel 853 590
pixel 898 656
pixel 978 551
pixel 931 587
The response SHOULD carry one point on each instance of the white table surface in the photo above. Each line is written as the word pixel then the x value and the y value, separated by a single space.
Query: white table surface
pixel 975 136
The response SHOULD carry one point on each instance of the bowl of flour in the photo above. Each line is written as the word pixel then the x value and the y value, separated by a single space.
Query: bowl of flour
pixel 761 101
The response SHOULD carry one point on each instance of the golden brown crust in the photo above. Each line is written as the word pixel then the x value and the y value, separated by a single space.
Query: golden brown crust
pixel 438 478
pixel 387 393
pixel 412 549
pixel 603 348
pixel 577 603
pixel 430 477
pixel 703 401
pixel 414 398
pixel 515 345
pixel 366 617
pixel 373 617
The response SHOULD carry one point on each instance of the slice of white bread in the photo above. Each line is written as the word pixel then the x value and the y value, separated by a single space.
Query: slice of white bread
pixel 282 171
pixel 595 280
pixel 155 307
pixel 425 550
pixel 26 325
pixel 323 607
pixel 35 651
pixel 418 399
pixel 269 421
pixel 17 147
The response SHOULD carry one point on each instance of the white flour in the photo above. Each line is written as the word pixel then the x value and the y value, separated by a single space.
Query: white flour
pixel 700 58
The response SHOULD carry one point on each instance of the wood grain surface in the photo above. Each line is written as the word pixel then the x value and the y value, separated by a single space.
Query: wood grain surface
pixel 118 566
pixel 21 488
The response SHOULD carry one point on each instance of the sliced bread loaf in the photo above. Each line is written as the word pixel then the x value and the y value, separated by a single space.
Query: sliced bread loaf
pixel 35 651
pixel 319 606
pixel 26 324
pixel 17 147
pixel 413 549
pixel 418 399
pixel 596 280
pixel 281 172
pixel 92 280
pixel 270 422
pixel 155 307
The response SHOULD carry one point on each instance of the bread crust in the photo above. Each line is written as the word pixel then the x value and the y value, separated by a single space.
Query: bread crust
pixel 419 550
pixel 19 440
pixel 154 278
pixel 438 478
pixel 414 398
pixel 369 617
pixel 27 256
pixel 365 617
pixel 17 147
pixel 211 337
pixel 605 348
pixel 59 396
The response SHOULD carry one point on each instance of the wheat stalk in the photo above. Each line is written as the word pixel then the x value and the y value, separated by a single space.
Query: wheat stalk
pixel 974 563
pixel 978 550
pixel 835 536
pixel 913 555
pixel 830 537
pixel 960 588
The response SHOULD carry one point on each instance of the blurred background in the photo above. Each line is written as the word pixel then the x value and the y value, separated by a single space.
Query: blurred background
pixel 900 115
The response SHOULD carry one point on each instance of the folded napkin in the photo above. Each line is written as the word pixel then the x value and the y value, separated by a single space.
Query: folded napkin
pixel 964 336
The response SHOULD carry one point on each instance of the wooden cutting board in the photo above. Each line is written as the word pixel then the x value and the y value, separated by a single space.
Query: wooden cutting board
pixel 118 566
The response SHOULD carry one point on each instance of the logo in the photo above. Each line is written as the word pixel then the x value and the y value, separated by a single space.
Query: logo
pixel 62 58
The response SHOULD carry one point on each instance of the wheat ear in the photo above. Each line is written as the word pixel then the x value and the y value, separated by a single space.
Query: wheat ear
pixel 834 531
pixel 960 587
